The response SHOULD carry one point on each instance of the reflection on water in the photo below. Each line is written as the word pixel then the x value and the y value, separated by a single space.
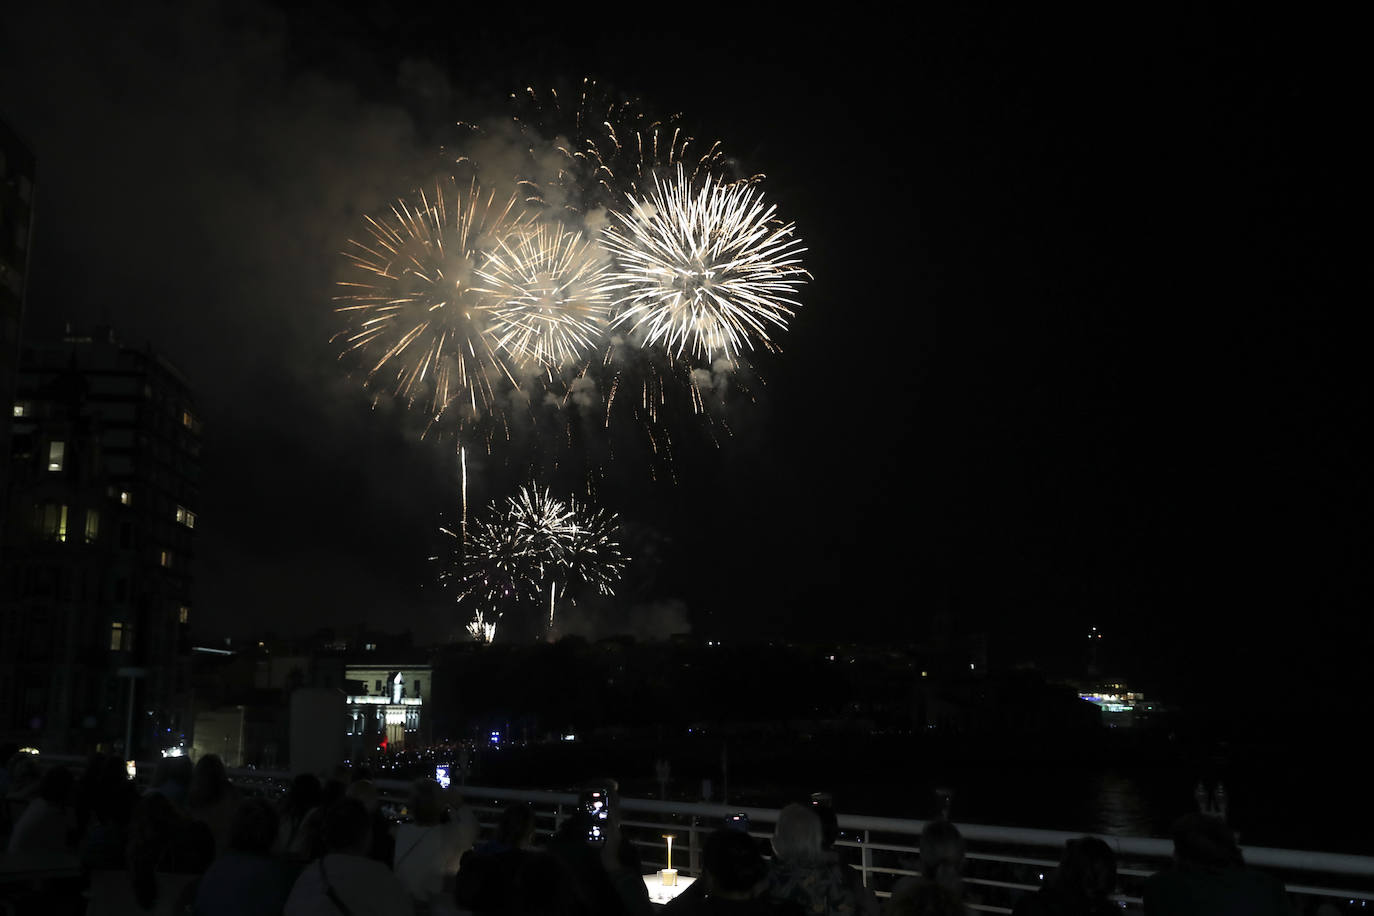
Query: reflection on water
pixel 1119 805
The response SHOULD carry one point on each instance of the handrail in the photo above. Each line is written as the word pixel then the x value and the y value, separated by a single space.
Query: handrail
pixel 701 814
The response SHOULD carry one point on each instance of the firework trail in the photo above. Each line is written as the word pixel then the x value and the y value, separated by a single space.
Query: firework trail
pixel 550 297
pixel 703 272
pixel 415 322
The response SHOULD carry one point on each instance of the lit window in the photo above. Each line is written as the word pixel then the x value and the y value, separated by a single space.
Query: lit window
pixel 62 523
pixel 165 558
pixel 21 409
pixel 116 636
pixel 186 517
pixel 187 420
pixel 183 613
pixel 56 453
pixel 92 525
pixel 126 498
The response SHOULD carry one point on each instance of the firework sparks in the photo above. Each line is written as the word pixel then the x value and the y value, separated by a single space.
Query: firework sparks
pixel 704 271
pixel 551 296
pixel 536 545
pixel 588 148
pixel 416 323
pixel 481 629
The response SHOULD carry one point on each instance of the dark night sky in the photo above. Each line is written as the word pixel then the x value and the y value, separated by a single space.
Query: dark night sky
pixel 1074 352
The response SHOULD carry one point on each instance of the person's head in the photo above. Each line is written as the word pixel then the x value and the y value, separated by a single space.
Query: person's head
pixel 254 827
pixel 303 795
pixel 426 802
pixel 347 827
pixel 24 770
pixel 55 785
pixel 209 782
pixel 798 837
pixel 942 855
pixel 516 827
pixel 924 899
pixel 830 822
pixel 1087 869
pixel 544 886
pixel 733 865
pixel 1202 841
pixel 365 791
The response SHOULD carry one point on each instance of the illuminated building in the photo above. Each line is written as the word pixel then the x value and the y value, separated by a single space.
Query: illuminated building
pixel 387 703
pixel 1120 706
pixel 16 233
pixel 96 574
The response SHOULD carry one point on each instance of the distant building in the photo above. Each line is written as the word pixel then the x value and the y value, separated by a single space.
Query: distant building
pixel 96 569
pixel 17 170
pixel 387 703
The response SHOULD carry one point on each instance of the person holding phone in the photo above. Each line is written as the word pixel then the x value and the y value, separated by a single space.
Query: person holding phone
pixel 604 863
pixel 430 850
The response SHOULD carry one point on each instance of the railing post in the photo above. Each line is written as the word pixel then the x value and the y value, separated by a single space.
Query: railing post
pixel 865 858
pixel 693 852
pixel 557 816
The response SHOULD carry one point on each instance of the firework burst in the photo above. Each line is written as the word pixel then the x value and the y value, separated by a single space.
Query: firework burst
pixel 481 629
pixel 416 323
pixel 550 297
pixel 587 148
pixel 703 271
pixel 536 546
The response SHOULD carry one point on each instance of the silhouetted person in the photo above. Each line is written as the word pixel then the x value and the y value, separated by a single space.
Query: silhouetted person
pixel 212 798
pixel 608 874
pixel 246 879
pixel 736 882
pixel 542 885
pixel 111 800
pixel 172 778
pixel 487 876
pixel 383 842
pixel 429 851
pixel 1209 877
pixel 300 799
pixel 48 823
pixel 345 880
pixel 806 873
pixel 1082 885
pixel 310 835
pixel 166 850
pixel 924 898
pixel 942 864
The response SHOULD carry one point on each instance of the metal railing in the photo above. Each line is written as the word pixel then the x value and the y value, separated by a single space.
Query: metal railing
pixel 1002 863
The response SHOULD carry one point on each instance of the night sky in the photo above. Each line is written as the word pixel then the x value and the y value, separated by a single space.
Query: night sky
pixel 1074 353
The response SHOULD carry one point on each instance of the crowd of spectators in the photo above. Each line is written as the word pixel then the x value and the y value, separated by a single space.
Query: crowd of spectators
pixel 194 843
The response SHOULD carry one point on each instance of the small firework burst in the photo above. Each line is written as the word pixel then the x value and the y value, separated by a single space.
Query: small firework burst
pixel 481 629
pixel 536 546
pixel 703 271
pixel 416 323
pixel 550 297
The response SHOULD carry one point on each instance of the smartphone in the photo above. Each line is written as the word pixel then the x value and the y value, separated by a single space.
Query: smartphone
pixel 738 822
pixel 441 775
pixel 597 804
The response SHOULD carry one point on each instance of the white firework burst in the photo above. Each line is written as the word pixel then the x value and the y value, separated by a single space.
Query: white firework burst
pixel 703 268
pixel 550 296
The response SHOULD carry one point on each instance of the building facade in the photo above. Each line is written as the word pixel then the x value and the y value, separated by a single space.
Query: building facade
pixel 96 570
pixel 386 706
pixel 17 171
